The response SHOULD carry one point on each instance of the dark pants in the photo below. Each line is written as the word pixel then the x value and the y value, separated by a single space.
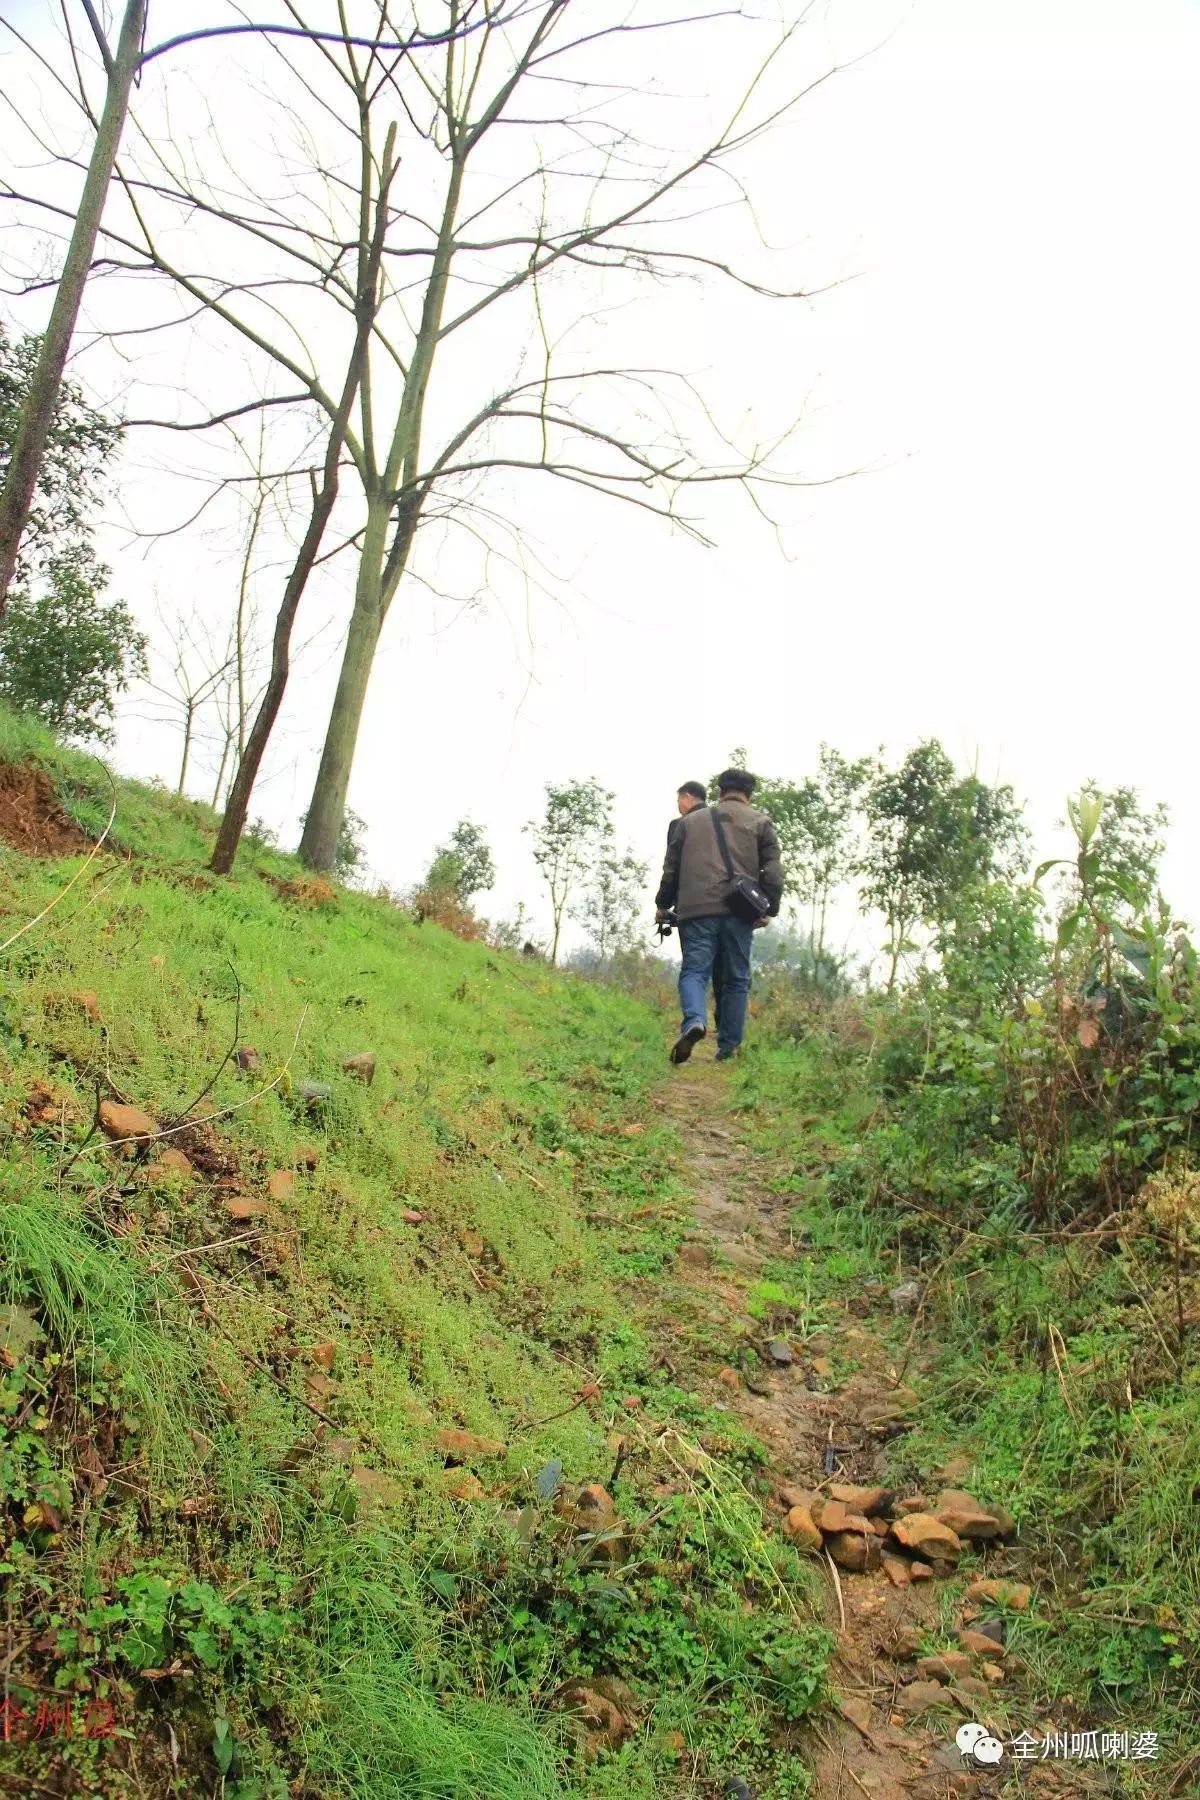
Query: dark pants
pixel 716 950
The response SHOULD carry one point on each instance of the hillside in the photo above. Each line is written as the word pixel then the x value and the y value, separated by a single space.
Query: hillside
pixel 412 1389
pixel 238 1536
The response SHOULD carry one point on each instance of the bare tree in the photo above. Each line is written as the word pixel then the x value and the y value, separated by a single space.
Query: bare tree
pixel 530 182
pixel 194 674
pixel 121 68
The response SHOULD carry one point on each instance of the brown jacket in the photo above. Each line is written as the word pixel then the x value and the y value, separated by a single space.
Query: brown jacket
pixel 694 882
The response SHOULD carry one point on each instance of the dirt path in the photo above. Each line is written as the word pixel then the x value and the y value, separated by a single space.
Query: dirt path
pixel 817 1429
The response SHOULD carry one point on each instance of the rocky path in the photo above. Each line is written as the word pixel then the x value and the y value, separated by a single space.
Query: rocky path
pixel 893 1735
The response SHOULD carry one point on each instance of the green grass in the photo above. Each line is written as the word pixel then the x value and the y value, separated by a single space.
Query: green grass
pixel 1098 1463
pixel 318 1643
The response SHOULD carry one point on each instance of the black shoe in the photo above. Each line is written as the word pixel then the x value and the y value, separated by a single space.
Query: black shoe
pixel 686 1042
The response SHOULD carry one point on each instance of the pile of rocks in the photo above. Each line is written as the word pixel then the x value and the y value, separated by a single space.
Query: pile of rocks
pixel 911 1539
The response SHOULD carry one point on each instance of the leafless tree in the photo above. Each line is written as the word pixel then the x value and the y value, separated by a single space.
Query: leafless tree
pixel 121 66
pixel 532 188
pixel 193 673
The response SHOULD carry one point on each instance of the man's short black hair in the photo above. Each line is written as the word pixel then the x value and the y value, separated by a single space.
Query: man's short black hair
pixel 736 781
pixel 694 788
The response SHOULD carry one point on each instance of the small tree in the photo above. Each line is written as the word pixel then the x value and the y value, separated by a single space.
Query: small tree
pixel 463 867
pixel 568 841
pixel 613 901
pixel 931 837
pixel 1133 843
pixel 65 655
pixel 57 534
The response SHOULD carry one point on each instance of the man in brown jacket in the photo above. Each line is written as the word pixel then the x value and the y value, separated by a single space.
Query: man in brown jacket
pixel 695 887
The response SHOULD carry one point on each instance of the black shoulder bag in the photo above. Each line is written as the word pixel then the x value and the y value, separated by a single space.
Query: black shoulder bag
pixel 745 899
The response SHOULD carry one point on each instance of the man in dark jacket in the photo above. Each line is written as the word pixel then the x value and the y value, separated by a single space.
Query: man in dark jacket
pixel 695 886
pixel 687 798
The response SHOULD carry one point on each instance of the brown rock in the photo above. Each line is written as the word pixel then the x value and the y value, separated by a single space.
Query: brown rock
pixel 956 1468
pixel 1015 1594
pixel 920 1571
pixel 242 1207
pixel 850 1550
pixel 918 1696
pixel 88 1003
pixel 1005 1520
pixel 822 1367
pixel 465 1486
pixel 466 1446
pixel 906 1643
pixel 868 1500
pixel 801 1529
pixel 972 1528
pixel 321 1354
pixel 897 1571
pixel 966 1518
pixel 247 1057
pixel 959 1500
pixel 308 1156
pixel 281 1185
pixel 927 1536
pixel 374 1489
pixel 915 1503
pixel 600 1720
pixel 592 1515
pixel 980 1644
pixel 880 1527
pixel 125 1124
pixel 361 1067
pixel 831 1515
pixel 992 1670
pixel 473 1244
pixel 320 1386
pixel 949 1666
pixel 729 1377
pixel 591 1505
pixel 797 1496
pixel 170 1162
pixel 859 1714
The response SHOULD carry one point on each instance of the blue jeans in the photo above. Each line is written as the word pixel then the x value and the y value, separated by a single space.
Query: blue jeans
pixel 716 950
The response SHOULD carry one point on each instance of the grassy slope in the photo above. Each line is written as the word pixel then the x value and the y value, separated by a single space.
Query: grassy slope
pixel 314 1634
pixel 1097 1459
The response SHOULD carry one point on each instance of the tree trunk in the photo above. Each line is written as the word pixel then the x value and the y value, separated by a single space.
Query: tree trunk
pixel 37 413
pixel 324 499
pixel 237 806
pixel 327 809
pixel 188 718
pixel 225 749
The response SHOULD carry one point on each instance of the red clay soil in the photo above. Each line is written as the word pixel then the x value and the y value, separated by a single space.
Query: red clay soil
pixel 31 818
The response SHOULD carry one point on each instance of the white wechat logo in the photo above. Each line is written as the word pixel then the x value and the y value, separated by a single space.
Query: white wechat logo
pixel 978 1746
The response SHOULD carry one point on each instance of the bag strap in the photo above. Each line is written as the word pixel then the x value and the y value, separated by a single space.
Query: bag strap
pixel 723 843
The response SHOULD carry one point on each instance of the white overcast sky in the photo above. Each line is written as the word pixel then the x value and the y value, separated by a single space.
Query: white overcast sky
pixel 1012 186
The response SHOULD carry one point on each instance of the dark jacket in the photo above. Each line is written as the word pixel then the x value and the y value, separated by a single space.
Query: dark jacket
pixel 694 882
